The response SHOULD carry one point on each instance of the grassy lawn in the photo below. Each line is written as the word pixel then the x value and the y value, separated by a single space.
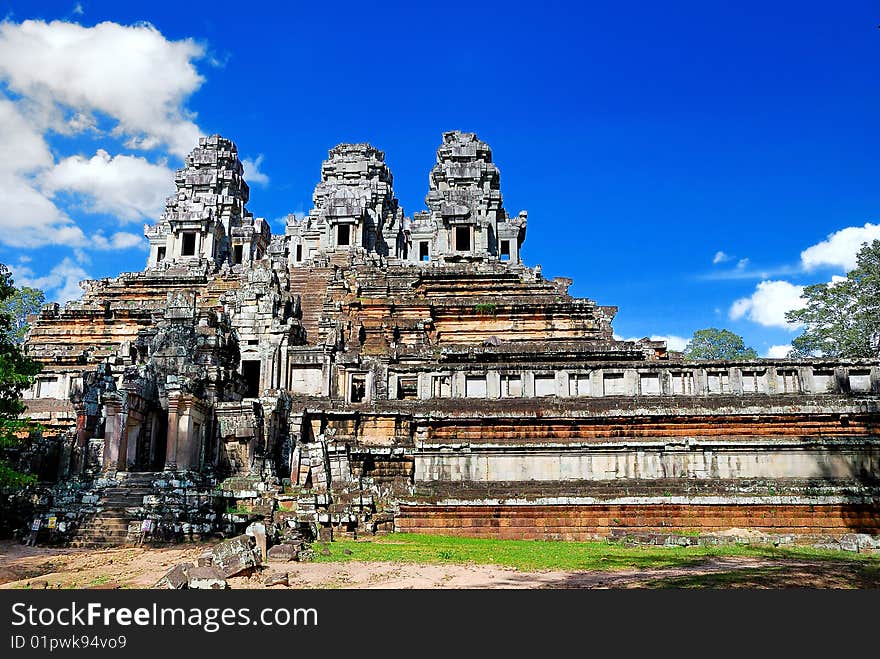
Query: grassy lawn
pixel 559 555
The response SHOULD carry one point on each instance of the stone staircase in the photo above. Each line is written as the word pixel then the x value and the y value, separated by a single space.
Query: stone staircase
pixel 311 285
pixel 109 526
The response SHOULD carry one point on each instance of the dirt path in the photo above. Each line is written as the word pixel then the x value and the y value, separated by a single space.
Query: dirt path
pixel 42 567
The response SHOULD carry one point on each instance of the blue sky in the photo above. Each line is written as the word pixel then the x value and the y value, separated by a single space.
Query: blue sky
pixel 693 163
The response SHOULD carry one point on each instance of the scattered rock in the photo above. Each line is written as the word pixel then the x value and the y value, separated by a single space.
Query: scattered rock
pixel 206 558
pixel 206 577
pixel 283 553
pixel 347 552
pixel 257 531
pixel 38 585
pixel 325 551
pixel 276 579
pixel 234 556
pixel 175 578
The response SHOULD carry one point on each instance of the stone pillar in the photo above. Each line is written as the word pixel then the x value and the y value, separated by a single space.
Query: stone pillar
pixel 171 443
pixel 81 441
pixel 154 443
pixel 183 458
pixel 114 434
pixel 133 439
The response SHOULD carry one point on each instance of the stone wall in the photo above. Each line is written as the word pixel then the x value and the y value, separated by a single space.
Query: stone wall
pixel 328 379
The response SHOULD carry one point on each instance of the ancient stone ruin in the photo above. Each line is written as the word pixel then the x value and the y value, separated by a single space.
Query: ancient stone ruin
pixel 368 372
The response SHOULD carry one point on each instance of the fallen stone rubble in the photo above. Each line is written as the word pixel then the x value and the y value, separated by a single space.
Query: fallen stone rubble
pixel 240 556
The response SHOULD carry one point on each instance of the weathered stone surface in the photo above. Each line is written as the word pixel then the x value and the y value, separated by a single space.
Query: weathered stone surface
pixel 205 578
pixel 257 531
pixel 276 579
pixel 368 372
pixel 234 556
pixel 176 578
pixel 859 542
pixel 206 558
pixel 283 553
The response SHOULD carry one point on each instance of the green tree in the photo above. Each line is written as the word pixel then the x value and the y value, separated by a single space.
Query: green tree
pixel 18 306
pixel 842 318
pixel 16 373
pixel 714 343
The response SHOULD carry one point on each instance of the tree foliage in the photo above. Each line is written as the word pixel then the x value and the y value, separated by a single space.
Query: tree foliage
pixel 714 343
pixel 23 302
pixel 16 373
pixel 842 318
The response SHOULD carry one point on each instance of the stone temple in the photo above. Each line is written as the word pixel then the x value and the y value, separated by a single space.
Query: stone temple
pixel 369 371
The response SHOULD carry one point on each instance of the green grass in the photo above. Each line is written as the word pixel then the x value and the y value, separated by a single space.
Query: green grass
pixel 559 555
pixel 488 309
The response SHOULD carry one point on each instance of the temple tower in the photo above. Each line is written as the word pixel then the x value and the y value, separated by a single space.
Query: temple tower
pixel 354 207
pixel 206 219
pixel 465 220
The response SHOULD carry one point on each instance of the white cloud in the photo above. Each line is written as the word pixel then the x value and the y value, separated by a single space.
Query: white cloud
pixel 129 187
pixel 768 304
pixel 60 285
pixel 741 264
pixel 720 257
pixel 252 173
pixel 24 149
pixel 132 74
pixel 29 219
pixel 118 241
pixel 840 248
pixel 64 77
pixel 78 9
pixel 778 352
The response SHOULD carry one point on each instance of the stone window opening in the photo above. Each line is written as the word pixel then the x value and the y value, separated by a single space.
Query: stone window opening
pixel 545 384
pixel 462 239
pixel 358 389
pixel 824 382
pixel 407 388
pixel 511 385
pixel 505 250
pixel 475 386
pixel 299 252
pixel 788 382
pixel 683 383
pixel 613 384
pixel 343 235
pixel 237 254
pixel 754 382
pixel 188 248
pixel 423 251
pixel 579 384
pixel 719 382
pixel 649 384
pixel 160 254
pixel 250 371
pixel 441 386
pixel 860 380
